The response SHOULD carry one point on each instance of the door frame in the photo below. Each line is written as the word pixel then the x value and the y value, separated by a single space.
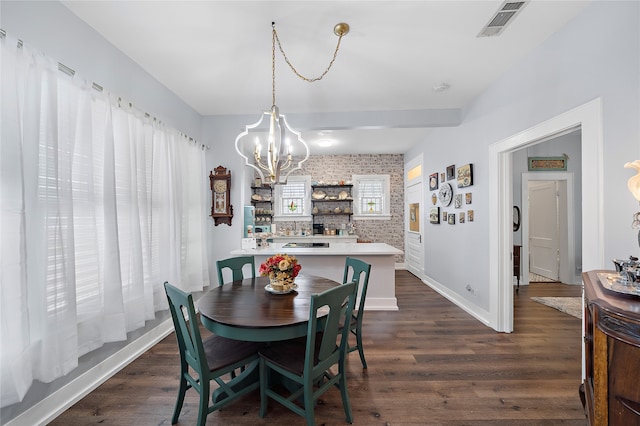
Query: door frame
pixel 567 248
pixel 418 180
pixel 589 118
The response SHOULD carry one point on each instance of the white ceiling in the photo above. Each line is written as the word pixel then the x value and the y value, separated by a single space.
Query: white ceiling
pixel 216 56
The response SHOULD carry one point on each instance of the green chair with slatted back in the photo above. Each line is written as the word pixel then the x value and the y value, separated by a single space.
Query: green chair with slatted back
pixel 306 362
pixel 210 359
pixel 359 272
pixel 236 264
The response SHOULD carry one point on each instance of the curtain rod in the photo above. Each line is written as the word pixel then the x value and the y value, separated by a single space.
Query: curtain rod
pixel 71 72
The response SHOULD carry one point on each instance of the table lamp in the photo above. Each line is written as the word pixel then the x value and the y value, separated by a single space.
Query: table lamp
pixel 634 187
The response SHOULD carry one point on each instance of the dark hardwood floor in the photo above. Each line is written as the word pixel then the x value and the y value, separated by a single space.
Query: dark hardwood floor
pixel 430 363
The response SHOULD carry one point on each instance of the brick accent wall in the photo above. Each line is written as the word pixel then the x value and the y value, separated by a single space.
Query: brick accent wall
pixel 330 168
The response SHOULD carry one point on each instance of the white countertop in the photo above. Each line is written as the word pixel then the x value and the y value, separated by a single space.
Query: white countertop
pixel 334 249
pixel 315 237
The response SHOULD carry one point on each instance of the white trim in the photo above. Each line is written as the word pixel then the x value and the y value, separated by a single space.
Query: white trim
pixel 56 403
pixel 589 118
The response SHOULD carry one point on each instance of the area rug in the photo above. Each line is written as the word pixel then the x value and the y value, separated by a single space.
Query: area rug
pixel 568 305
pixel 535 278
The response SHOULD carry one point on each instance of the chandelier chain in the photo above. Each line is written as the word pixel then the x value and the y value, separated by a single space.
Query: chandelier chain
pixel 310 80
pixel 273 64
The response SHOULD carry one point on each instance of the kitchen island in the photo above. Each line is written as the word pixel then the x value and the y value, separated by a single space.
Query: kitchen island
pixel 329 262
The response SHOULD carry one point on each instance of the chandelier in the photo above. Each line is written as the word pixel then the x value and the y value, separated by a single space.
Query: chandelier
pixel 280 140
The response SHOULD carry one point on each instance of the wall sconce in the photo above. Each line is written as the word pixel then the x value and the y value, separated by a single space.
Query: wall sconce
pixel 634 187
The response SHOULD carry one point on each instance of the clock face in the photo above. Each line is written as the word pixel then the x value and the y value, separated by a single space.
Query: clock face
pixel 220 186
pixel 445 194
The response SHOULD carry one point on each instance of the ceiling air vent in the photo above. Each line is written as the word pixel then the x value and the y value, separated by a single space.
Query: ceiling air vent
pixel 502 18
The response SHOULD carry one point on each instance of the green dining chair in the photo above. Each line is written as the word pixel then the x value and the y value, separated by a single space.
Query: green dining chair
pixel 305 362
pixel 210 359
pixel 235 264
pixel 360 273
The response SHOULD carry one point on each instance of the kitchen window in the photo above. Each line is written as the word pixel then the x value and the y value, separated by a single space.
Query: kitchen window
pixel 372 197
pixel 292 201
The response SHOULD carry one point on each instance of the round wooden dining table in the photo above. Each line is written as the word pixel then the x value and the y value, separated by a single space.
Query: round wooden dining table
pixel 245 310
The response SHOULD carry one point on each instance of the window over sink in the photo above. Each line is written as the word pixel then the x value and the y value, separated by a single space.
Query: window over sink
pixel 292 201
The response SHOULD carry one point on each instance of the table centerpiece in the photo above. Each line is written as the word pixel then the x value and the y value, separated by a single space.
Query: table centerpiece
pixel 282 269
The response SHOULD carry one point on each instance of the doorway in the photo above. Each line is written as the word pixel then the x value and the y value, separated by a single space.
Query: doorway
pixel 587 117
pixel 415 217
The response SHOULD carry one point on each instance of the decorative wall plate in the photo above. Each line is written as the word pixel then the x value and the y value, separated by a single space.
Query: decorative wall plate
pixel 318 195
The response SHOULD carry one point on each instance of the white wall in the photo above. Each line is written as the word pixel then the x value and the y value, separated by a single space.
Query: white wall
pixel 49 27
pixel 594 55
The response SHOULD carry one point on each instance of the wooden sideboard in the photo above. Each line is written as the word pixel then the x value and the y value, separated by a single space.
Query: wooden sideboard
pixel 611 391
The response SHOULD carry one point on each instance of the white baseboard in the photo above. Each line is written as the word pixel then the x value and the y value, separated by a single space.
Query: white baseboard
pixel 55 404
pixel 473 310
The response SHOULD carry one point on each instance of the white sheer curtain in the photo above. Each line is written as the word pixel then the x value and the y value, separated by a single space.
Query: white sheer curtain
pixel 99 206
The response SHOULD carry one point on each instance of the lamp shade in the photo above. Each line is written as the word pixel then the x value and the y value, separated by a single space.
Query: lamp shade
pixel 634 182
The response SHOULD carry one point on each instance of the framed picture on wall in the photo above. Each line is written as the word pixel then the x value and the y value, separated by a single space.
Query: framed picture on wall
pixel 433 181
pixel 465 176
pixel 467 198
pixel 470 215
pixel 444 217
pixel 451 170
pixel 461 219
pixel 458 201
pixel 414 217
pixel 451 218
pixel 434 215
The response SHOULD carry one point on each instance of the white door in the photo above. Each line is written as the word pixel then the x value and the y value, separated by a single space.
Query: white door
pixel 415 217
pixel 415 223
pixel 544 229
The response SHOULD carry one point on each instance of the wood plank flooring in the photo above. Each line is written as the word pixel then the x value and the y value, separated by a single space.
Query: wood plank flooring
pixel 430 363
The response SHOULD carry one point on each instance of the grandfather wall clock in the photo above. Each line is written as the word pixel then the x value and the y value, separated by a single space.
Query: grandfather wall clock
pixel 221 209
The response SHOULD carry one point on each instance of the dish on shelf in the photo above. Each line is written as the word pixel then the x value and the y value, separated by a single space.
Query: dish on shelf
pixel 333 197
pixel 256 197
pixel 318 195
pixel 274 291
pixel 343 195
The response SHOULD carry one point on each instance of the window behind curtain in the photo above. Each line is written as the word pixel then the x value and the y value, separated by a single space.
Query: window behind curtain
pixel 103 209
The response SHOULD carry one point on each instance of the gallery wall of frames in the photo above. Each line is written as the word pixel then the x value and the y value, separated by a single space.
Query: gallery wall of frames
pixel 450 199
